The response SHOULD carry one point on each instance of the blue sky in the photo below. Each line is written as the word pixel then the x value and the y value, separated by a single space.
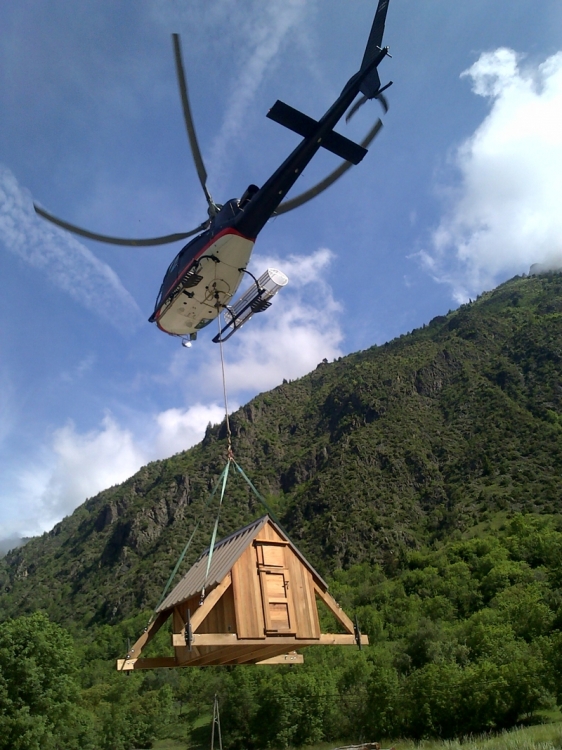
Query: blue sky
pixel 461 190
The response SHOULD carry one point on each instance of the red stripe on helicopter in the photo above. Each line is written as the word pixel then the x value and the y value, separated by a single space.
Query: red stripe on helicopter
pixel 181 274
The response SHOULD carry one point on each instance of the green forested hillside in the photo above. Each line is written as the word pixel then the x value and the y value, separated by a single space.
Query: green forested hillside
pixel 364 459
pixel 465 638
pixel 421 477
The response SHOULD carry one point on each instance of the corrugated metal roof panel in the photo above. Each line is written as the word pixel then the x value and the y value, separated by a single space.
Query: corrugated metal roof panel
pixel 225 554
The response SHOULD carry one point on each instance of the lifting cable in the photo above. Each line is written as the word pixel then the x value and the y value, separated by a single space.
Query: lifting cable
pixel 224 475
pixel 222 480
pixel 230 453
pixel 215 528
pixel 182 555
pixel 230 459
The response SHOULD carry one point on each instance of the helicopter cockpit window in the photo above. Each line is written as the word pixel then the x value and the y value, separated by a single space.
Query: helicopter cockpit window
pixel 173 267
pixel 227 212
pixel 159 298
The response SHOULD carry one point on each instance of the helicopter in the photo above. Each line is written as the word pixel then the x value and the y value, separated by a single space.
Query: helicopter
pixel 204 276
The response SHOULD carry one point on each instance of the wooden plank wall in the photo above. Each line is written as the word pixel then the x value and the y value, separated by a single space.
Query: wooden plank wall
pixel 301 585
pixel 268 534
pixel 247 596
pixel 222 618
pixel 304 600
pixel 240 610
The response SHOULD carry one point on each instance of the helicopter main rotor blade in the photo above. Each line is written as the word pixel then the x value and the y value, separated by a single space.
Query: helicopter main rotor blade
pixel 190 127
pixel 166 239
pixel 308 195
pixel 360 102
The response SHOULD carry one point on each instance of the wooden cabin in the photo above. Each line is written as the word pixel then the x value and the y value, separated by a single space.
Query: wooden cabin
pixel 259 606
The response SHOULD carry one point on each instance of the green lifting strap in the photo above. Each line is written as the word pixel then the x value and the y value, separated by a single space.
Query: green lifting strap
pixel 224 477
pixel 261 498
pixel 221 480
pixel 180 559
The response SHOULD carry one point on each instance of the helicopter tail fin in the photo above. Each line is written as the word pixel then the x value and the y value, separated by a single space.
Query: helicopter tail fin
pixel 372 83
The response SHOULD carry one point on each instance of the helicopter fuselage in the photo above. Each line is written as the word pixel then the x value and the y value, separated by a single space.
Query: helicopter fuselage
pixel 206 273
pixel 201 282
pixel 203 277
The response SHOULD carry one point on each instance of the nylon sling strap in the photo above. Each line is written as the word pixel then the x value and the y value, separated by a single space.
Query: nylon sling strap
pixel 261 498
pixel 222 479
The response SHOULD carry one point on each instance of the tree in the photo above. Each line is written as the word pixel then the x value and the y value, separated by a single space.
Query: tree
pixel 38 690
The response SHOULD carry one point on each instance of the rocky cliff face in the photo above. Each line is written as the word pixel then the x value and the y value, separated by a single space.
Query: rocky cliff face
pixel 361 458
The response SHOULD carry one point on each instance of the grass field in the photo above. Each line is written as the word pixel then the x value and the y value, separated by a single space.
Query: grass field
pixel 541 737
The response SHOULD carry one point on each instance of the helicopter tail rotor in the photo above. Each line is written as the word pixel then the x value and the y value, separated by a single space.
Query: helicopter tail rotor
pixel 360 102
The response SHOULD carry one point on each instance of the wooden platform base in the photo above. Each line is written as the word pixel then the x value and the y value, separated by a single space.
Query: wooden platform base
pixel 212 649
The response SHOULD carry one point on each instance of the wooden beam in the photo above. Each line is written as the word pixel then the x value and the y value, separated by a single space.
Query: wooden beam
pixel 232 655
pixel 291 658
pixel 199 615
pixel 184 654
pixel 247 655
pixel 226 655
pixel 196 659
pixel 337 639
pixel 260 654
pixel 231 639
pixel 126 665
pixel 240 652
pixel 334 608
pixel 149 634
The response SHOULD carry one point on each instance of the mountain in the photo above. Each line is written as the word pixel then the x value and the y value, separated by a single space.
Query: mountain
pixel 364 458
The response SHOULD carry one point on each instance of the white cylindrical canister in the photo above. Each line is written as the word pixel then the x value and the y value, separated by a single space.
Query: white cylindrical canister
pixel 270 282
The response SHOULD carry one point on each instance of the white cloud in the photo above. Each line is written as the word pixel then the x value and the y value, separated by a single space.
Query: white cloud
pixel 290 339
pixel 179 429
pixel 301 269
pixel 505 213
pixel 286 341
pixel 296 340
pixel 299 331
pixel 64 260
pixel 77 465
pixel 266 28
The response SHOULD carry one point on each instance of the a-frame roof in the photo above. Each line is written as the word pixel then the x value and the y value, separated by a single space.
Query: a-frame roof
pixel 225 553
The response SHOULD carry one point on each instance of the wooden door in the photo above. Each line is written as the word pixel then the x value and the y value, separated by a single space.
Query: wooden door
pixel 277 595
